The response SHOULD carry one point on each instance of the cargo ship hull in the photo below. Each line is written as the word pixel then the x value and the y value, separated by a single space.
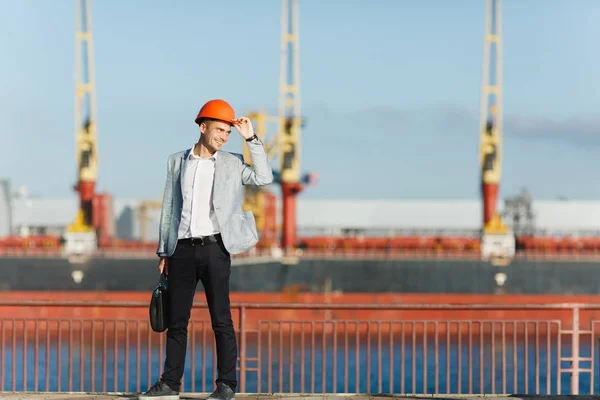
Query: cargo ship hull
pixel 317 276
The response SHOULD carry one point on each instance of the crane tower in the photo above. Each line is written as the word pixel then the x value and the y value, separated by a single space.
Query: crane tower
pixel 497 240
pixel 82 229
pixel 85 112
pixel 284 145
pixel 491 112
pixel 290 120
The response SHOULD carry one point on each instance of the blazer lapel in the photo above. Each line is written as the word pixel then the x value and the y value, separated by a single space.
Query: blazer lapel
pixel 219 165
pixel 182 163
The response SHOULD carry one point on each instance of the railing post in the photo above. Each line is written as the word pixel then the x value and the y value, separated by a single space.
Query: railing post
pixel 243 349
pixel 575 352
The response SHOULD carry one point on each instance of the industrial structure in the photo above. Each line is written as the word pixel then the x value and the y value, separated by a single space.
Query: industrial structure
pixel 261 201
pixel 93 226
pixel 289 110
pixel 93 221
pixel 497 240
pixel 491 112
pixel 283 146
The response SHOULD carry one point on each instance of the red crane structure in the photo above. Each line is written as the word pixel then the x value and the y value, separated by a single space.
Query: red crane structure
pixel 291 122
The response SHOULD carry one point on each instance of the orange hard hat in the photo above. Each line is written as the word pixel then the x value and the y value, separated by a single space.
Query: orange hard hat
pixel 217 109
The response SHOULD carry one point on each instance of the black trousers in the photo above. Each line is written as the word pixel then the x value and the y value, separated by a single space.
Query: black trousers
pixel 211 264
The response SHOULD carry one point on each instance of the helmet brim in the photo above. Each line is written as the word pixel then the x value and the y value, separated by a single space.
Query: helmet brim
pixel 231 122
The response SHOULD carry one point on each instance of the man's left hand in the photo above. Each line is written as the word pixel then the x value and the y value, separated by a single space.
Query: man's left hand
pixel 244 127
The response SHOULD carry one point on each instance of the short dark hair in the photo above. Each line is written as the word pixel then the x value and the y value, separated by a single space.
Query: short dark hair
pixel 205 119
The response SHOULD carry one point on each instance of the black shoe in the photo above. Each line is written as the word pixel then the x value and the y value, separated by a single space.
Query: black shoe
pixel 222 392
pixel 160 391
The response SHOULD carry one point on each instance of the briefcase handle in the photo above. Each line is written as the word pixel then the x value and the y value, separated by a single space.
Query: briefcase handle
pixel 163 280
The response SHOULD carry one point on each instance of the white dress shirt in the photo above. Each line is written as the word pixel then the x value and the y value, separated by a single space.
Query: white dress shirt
pixel 198 214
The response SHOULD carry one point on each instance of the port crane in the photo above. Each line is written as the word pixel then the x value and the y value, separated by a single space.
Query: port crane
pixel 286 144
pixel 94 215
pixel 498 241
pixel 291 122
pixel 81 236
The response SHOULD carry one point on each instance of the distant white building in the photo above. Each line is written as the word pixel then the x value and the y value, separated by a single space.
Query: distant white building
pixel 52 215
pixel 460 217
pixel 5 210
pixel 320 217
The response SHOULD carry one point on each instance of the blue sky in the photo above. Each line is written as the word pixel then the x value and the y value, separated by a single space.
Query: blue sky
pixel 390 90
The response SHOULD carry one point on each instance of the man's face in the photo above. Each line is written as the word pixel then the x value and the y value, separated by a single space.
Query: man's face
pixel 216 133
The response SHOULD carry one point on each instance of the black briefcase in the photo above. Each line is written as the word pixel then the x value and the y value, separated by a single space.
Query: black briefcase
pixel 159 306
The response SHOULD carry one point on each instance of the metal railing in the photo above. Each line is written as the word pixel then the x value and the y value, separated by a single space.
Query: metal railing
pixel 411 348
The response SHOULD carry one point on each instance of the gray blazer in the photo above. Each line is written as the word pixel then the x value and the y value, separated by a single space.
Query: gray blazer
pixel 238 228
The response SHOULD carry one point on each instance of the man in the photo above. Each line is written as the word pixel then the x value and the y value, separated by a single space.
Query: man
pixel 201 225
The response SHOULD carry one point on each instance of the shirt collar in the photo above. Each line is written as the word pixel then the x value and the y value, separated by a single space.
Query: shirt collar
pixel 192 156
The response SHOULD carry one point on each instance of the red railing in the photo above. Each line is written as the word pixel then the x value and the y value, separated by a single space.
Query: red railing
pixel 322 254
pixel 412 348
pixel 538 247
